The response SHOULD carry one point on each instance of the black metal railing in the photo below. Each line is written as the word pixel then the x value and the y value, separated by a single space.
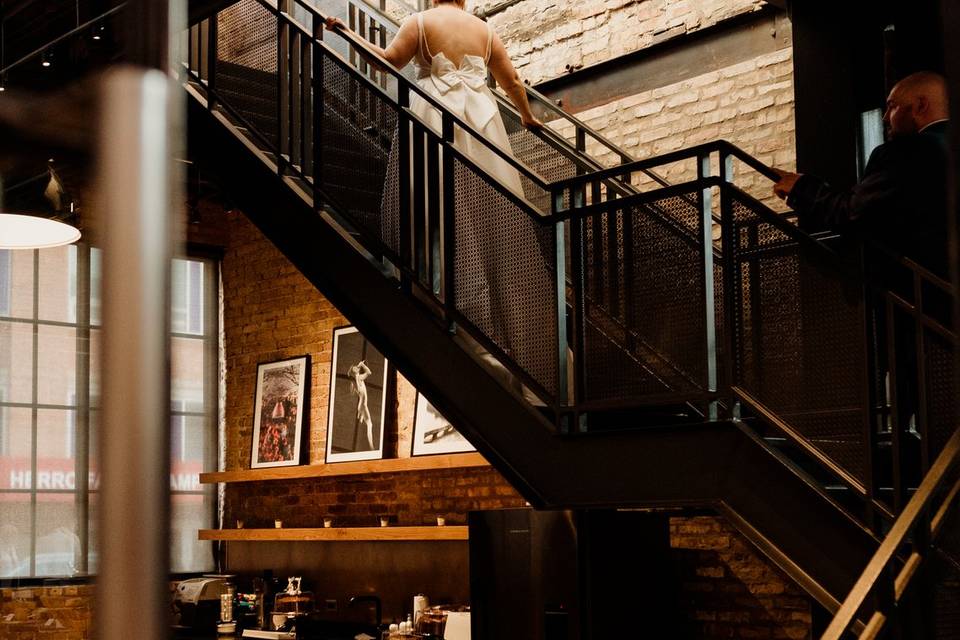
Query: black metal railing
pixel 812 334
pixel 921 550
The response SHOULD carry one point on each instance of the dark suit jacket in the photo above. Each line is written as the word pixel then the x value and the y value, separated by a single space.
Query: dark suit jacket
pixel 900 203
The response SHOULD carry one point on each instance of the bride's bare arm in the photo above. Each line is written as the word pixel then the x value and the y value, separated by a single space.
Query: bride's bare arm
pixel 398 53
pixel 509 80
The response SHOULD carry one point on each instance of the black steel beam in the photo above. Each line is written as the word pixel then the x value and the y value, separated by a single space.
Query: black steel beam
pixel 678 58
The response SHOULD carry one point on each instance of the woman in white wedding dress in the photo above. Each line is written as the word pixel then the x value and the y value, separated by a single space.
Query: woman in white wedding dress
pixel 500 266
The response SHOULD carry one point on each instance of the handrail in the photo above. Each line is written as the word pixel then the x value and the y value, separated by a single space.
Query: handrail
pixel 915 516
pixel 356 41
pixel 83 27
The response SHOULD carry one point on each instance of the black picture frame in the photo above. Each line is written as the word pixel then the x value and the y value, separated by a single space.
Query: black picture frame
pixel 357 399
pixel 280 405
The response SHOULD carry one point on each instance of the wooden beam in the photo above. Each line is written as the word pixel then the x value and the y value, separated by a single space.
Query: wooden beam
pixel 393 465
pixel 335 534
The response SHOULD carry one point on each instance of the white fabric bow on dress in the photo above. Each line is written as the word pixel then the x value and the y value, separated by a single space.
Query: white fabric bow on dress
pixel 463 88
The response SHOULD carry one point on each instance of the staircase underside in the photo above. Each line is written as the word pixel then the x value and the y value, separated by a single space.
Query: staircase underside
pixel 709 465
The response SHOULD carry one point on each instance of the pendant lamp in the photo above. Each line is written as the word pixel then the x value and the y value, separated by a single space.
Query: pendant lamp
pixel 30 231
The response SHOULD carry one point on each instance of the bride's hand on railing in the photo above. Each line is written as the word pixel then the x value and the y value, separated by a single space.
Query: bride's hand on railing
pixel 333 23
pixel 532 123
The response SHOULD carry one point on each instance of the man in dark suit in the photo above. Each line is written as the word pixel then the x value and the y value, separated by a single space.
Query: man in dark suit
pixel 901 201
pixel 900 204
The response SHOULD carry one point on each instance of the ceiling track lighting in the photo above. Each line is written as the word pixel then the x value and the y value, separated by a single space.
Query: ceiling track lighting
pixel 46 58
pixel 99 31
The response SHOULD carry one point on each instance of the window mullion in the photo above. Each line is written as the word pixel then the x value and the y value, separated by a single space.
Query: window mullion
pixel 35 398
pixel 82 436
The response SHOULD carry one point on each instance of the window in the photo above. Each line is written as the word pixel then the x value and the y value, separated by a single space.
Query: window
pixel 5 277
pixel 49 408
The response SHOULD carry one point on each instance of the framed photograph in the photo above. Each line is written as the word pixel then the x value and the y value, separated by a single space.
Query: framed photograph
pixel 432 433
pixel 279 405
pixel 358 399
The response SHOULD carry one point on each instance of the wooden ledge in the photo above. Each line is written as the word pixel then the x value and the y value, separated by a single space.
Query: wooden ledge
pixel 335 534
pixel 391 465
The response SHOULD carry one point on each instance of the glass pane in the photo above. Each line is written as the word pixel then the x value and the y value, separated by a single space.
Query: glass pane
pixel 16 362
pixel 58 546
pixel 95 279
pixel 56 446
pixel 187 371
pixel 16 446
pixel 58 284
pixel 57 365
pixel 95 367
pixel 188 445
pixel 190 513
pixel 16 284
pixel 14 534
pixel 93 515
pixel 94 450
pixel 187 296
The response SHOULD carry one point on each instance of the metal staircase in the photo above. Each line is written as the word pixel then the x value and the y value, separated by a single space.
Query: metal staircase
pixel 764 332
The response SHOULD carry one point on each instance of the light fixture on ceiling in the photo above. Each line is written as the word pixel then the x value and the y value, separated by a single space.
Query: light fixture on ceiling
pixel 46 58
pixel 99 30
pixel 30 231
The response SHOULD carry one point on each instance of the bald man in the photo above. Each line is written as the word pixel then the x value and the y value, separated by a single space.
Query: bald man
pixel 901 200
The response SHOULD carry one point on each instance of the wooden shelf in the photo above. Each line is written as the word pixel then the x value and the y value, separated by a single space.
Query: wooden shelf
pixel 334 534
pixel 391 465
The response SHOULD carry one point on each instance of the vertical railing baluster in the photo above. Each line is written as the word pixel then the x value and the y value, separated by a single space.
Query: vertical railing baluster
pixel 318 110
pixel 212 36
pixel 406 223
pixel 871 423
pixel 579 302
pixel 306 106
pixel 895 426
pixel 283 107
pixel 731 276
pixel 419 205
pixel 295 112
pixel 449 247
pixel 434 269
pixel 920 407
pixel 706 229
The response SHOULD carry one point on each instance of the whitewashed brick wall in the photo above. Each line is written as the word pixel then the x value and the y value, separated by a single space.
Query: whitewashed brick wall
pixel 544 37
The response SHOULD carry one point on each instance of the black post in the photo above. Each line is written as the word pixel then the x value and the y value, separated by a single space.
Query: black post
pixel 732 295
pixel 211 23
pixel 449 246
pixel 318 110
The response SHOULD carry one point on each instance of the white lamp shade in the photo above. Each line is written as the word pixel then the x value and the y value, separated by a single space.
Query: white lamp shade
pixel 29 232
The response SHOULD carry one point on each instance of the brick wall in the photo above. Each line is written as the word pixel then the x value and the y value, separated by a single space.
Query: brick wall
pixel 728 591
pixel 272 312
pixel 46 613
pixel 749 104
pixel 547 37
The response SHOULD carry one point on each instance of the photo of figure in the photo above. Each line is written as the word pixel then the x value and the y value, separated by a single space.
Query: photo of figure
pixel 278 412
pixel 432 433
pixel 358 379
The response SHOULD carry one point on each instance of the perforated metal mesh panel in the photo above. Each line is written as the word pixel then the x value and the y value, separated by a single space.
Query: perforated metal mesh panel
pixel 943 416
pixel 644 290
pixel 801 347
pixel 359 126
pixel 247 64
pixel 505 275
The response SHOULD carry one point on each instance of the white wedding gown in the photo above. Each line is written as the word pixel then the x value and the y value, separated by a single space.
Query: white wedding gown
pixel 501 272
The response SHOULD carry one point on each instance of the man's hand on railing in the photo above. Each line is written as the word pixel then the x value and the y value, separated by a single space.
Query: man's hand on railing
pixel 785 184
